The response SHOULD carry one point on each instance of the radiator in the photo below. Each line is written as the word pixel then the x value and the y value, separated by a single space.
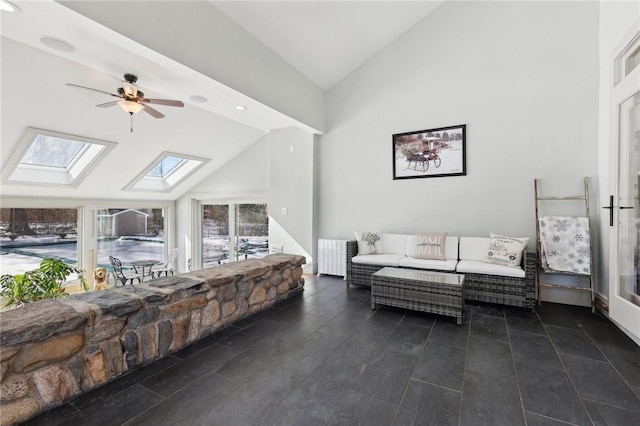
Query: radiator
pixel 332 257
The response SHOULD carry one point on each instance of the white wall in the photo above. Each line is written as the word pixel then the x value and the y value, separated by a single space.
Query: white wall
pixel 523 77
pixel 292 187
pixel 268 171
pixel 616 18
pixel 246 174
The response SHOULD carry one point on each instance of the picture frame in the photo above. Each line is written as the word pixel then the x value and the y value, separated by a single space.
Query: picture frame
pixel 430 153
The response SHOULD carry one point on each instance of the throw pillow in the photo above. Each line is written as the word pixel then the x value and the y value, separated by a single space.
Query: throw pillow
pixel 368 242
pixel 506 251
pixel 431 246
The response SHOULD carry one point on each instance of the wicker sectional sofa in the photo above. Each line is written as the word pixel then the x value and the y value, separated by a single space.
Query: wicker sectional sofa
pixel 483 282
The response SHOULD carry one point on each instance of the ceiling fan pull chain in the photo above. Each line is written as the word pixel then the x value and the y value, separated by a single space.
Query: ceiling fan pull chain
pixel 131 115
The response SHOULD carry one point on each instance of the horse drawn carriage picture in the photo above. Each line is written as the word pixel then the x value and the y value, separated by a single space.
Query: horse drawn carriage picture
pixel 422 153
pixel 420 160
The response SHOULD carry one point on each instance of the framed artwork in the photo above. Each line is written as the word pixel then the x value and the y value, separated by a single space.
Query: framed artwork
pixel 430 153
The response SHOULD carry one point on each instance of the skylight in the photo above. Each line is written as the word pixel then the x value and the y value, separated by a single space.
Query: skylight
pixel 165 172
pixel 53 152
pixel 51 158
pixel 165 166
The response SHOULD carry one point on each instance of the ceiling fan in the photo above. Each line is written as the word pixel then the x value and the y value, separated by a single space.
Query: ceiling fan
pixel 131 99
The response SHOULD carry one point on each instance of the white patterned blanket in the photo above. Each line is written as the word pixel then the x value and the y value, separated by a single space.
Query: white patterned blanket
pixel 565 244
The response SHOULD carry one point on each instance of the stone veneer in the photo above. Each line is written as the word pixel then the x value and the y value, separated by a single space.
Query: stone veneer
pixel 53 350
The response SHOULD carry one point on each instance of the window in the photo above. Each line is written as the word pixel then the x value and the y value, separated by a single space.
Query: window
pixel 49 151
pixel 130 234
pixel 166 172
pixel 627 61
pixel 34 229
pixel 165 166
pixel 29 235
pixel 52 158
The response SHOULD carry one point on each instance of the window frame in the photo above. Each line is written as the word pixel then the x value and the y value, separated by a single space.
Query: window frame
pixel 70 176
pixel 177 175
pixel 88 221
pixel 622 67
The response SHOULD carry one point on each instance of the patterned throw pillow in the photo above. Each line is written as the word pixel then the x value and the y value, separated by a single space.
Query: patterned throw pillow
pixel 431 246
pixel 368 242
pixel 506 251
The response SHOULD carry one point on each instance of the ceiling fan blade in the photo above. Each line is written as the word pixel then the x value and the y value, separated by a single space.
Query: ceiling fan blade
pixel 153 112
pixel 93 90
pixel 108 104
pixel 166 102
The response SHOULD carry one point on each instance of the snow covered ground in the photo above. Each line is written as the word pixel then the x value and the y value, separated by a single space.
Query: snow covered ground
pixel 16 261
pixel 215 250
pixel 11 263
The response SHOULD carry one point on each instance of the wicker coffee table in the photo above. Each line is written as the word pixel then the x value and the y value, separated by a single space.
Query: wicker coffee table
pixel 426 291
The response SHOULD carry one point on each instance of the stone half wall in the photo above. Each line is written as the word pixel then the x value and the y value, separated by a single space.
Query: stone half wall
pixel 53 350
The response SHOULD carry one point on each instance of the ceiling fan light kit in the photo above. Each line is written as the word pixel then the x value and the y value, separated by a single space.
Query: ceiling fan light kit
pixel 132 100
pixel 130 89
pixel 130 106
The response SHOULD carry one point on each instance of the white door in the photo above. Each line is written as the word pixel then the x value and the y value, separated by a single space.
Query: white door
pixel 624 284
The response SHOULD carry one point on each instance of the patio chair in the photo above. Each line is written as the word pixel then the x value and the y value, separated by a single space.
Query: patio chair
pixel 169 266
pixel 122 274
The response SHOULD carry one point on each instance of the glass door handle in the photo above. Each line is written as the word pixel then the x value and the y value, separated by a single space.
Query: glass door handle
pixel 610 207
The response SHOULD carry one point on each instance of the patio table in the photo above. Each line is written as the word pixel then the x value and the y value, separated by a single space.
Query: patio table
pixel 140 265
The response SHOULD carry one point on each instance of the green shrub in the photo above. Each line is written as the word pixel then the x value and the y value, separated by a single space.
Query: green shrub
pixel 45 282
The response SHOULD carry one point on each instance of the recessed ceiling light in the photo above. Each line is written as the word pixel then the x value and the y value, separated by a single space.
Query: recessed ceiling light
pixel 7 6
pixel 57 44
pixel 199 99
pixel 241 107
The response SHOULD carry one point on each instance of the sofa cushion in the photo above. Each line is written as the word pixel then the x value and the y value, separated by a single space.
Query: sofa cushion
pixel 505 251
pixel 378 259
pixel 480 267
pixel 439 265
pixel 394 243
pixel 450 247
pixel 364 247
pixel 431 246
pixel 473 248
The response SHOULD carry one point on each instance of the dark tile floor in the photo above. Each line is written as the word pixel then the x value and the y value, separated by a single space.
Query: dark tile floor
pixel 327 358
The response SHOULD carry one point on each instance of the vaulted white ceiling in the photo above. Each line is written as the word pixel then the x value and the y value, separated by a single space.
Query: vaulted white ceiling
pixel 316 44
pixel 326 40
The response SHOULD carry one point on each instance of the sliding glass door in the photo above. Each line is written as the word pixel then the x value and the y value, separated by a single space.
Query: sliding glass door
pixel 232 232
pixel 216 241
pixel 252 231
